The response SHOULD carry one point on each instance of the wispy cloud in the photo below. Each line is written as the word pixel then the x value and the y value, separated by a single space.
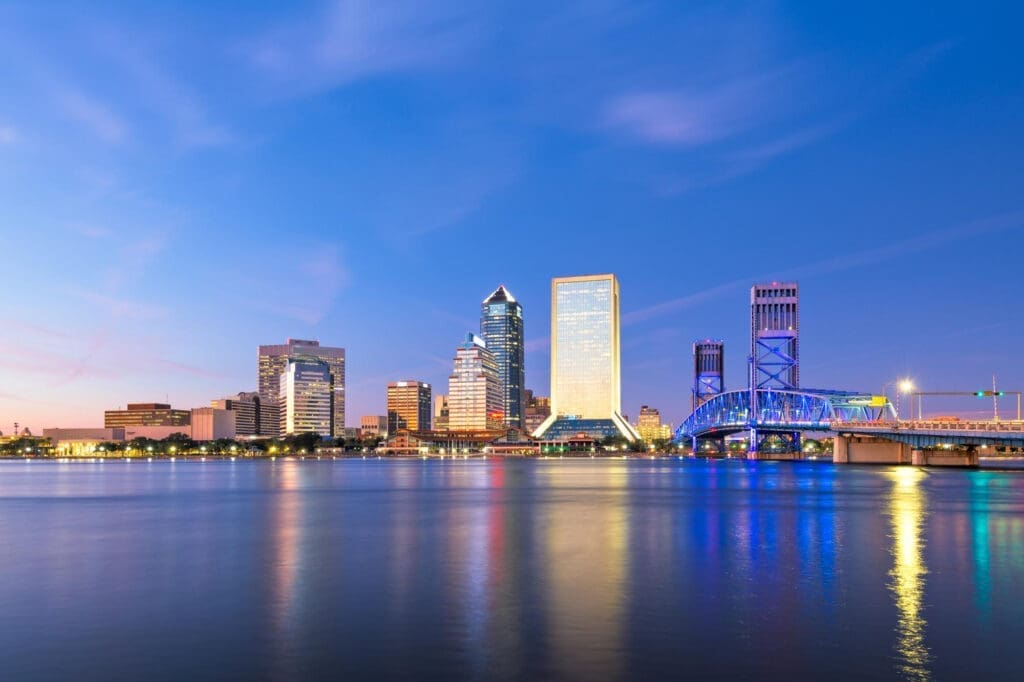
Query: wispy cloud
pixel 93 114
pixel 1003 222
pixel 121 307
pixel 347 40
pixel 694 116
pixel 306 288
pixel 8 135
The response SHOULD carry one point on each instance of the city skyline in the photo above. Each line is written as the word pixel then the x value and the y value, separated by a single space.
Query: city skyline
pixel 154 160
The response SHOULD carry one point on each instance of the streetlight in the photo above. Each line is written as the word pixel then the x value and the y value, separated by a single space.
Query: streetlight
pixel 906 386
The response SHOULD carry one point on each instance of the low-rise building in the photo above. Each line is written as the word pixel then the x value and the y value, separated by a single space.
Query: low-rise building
pixel 82 442
pixel 210 423
pixel 147 414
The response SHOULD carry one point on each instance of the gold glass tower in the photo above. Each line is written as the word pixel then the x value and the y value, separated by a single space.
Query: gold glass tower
pixel 585 359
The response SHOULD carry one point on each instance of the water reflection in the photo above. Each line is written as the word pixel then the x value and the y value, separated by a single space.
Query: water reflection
pixel 907 511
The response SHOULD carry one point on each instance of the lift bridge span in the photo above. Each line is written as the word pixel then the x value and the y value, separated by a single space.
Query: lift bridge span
pixel 783 413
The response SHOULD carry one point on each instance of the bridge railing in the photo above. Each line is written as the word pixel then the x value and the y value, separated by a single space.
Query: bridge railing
pixel 929 425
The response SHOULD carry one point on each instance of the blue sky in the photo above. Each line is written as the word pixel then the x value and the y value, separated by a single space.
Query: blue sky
pixel 179 184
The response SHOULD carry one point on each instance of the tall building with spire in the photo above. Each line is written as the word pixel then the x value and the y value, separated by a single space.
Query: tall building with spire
pixel 585 361
pixel 501 328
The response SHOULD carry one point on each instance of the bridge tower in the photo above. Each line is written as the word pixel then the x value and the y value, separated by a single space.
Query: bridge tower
pixel 774 343
pixel 708 371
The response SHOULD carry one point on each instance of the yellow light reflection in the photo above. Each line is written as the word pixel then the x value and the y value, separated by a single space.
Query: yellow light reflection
pixel 907 511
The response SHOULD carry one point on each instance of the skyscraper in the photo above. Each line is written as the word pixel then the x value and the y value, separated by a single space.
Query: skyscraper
pixel 501 328
pixel 273 360
pixel 585 388
pixel 474 392
pixel 408 406
pixel 775 335
pixel 649 425
pixel 306 397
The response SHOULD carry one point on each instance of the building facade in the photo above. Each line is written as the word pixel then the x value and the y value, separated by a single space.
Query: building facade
pixel 475 401
pixel 775 335
pixel 408 406
pixel 211 423
pixel 81 442
pixel 306 398
pixel 147 414
pixel 649 425
pixel 585 360
pixel 538 408
pixel 373 426
pixel 442 412
pixel 273 361
pixel 249 414
pixel 501 328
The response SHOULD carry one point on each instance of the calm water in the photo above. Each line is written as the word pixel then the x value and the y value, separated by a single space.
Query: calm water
pixel 587 570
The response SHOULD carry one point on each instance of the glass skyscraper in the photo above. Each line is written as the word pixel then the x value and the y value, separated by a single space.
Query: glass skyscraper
pixel 273 361
pixel 474 392
pixel 306 397
pixel 585 366
pixel 501 328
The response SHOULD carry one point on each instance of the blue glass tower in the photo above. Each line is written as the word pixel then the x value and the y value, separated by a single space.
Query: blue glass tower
pixel 501 328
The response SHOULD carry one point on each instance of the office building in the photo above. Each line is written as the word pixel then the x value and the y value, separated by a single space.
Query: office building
pixel 408 406
pixel 252 418
pixel 708 375
pixel 211 423
pixel 775 335
pixel 373 426
pixel 475 402
pixel 538 408
pixel 441 413
pixel 585 365
pixel 273 361
pixel 501 328
pixel 649 425
pixel 147 414
pixel 306 398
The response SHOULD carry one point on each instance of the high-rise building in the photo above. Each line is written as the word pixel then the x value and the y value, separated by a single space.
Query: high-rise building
pixel 273 361
pixel 147 414
pixel 708 366
pixel 585 369
pixel 649 425
pixel 306 398
pixel 249 414
pixel 501 328
pixel 408 406
pixel 537 410
pixel 775 335
pixel 474 393
pixel 441 412
pixel 373 426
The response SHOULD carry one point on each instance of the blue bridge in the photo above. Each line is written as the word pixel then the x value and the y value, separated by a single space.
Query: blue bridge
pixel 783 413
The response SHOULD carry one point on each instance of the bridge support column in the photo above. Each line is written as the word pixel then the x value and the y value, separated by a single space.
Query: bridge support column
pixel 848 449
pixel 945 458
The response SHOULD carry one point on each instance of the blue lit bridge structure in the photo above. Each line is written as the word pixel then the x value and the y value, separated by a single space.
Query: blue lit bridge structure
pixel 783 413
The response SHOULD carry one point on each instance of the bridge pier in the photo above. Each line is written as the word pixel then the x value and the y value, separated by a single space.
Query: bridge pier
pixel 869 450
pixel 945 458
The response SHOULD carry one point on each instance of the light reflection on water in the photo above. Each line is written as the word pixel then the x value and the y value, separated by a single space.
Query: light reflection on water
pixel 907 509
pixel 508 569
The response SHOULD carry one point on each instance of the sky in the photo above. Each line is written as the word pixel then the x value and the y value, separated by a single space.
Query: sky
pixel 183 181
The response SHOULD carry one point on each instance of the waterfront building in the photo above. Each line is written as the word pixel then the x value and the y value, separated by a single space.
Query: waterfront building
pixel 649 425
pixel 585 360
pixel 81 442
pixel 475 402
pixel 708 371
pixel 251 415
pixel 441 413
pixel 147 414
pixel 775 335
pixel 306 398
pixel 211 423
pixel 501 328
pixel 373 426
pixel 408 406
pixel 273 361
pixel 537 410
